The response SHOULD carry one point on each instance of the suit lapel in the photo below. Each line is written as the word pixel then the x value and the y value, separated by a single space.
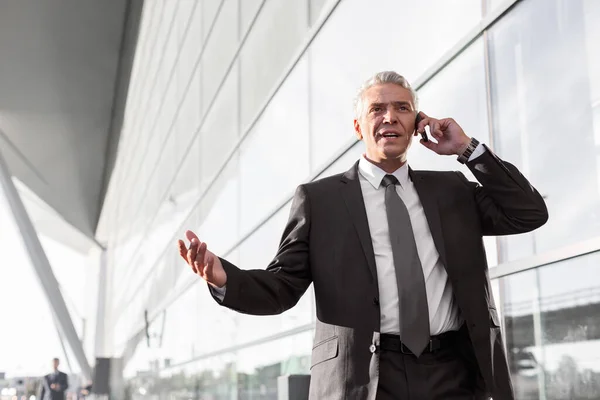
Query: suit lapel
pixel 353 198
pixel 428 195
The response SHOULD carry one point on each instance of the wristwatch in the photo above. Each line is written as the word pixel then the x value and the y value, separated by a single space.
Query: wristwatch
pixel 464 157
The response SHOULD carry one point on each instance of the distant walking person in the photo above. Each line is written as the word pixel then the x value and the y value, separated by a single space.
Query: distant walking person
pixel 55 384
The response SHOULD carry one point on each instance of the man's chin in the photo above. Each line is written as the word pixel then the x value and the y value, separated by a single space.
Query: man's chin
pixel 396 153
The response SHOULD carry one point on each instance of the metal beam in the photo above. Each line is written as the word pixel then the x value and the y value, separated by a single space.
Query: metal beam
pixel 42 268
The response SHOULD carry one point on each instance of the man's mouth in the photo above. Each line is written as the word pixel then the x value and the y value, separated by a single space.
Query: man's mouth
pixel 389 135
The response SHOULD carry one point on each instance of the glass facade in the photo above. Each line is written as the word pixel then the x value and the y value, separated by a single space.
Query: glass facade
pixel 233 103
pixel 552 335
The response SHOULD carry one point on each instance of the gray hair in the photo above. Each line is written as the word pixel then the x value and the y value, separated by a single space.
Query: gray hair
pixel 378 79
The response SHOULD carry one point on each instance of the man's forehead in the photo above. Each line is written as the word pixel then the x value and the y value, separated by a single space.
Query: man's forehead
pixel 388 92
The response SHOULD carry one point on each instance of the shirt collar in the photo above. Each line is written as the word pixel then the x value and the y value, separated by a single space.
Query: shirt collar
pixel 374 174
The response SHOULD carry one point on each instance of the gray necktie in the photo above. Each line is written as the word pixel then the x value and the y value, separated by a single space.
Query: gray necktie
pixel 412 296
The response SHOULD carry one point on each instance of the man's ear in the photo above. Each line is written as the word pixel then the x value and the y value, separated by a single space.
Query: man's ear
pixel 357 130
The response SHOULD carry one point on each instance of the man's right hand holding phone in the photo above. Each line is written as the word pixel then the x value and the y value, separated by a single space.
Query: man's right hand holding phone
pixel 202 261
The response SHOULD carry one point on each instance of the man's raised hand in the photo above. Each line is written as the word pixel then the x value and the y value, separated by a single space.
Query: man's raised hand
pixel 202 261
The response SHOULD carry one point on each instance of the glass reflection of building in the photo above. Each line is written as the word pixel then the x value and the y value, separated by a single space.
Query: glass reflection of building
pixel 235 102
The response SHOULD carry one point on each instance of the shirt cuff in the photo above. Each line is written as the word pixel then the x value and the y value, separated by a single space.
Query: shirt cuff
pixel 479 150
pixel 218 293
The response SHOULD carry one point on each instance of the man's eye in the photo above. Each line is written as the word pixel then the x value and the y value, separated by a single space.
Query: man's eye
pixel 376 109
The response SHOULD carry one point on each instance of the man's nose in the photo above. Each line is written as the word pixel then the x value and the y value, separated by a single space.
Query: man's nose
pixel 390 116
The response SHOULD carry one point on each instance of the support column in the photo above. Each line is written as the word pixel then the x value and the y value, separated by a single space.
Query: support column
pixel 42 268
pixel 100 338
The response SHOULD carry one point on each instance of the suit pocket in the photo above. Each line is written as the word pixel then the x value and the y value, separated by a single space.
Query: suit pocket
pixel 323 351
pixel 494 319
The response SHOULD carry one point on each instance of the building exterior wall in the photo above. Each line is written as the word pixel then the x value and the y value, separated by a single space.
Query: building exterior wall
pixel 233 103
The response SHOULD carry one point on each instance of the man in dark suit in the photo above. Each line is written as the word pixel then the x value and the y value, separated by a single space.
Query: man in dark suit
pixel 403 298
pixel 54 385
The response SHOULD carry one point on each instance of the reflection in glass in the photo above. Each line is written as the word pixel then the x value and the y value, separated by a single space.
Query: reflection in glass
pixel 219 133
pixel 250 373
pixel 552 331
pixel 545 77
pixel 346 161
pixel 269 48
pixel 274 156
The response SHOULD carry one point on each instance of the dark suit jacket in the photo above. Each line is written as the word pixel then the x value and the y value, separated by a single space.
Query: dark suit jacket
pixel 49 394
pixel 327 242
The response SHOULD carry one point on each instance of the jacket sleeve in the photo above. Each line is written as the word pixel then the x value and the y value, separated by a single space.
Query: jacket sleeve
pixel 284 281
pixel 507 203
pixel 65 384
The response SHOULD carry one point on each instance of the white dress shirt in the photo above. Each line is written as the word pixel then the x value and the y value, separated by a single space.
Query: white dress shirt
pixel 443 312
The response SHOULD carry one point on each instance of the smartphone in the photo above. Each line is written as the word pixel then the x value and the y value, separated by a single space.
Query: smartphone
pixel 424 133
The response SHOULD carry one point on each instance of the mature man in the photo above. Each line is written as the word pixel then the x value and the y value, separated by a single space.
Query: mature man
pixel 55 384
pixel 403 299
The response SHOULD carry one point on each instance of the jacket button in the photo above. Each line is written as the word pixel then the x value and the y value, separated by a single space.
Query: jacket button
pixel 375 301
pixel 373 348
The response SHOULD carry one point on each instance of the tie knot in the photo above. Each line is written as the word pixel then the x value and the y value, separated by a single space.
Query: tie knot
pixel 389 180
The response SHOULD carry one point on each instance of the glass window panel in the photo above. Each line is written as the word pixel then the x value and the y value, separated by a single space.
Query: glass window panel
pixel 185 9
pixel 265 55
pixel 492 5
pixel 248 9
pixel 219 50
pixel 210 8
pixel 158 67
pixel 258 367
pixel 551 332
pixel 346 161
pixel 191 47
pixel 219 210
pixel 189 117
pixel 274 156
pixel 219 132
pixel 171 48
pixel 187 187
pixel 250 373
pixel 347 51
pixel 179 333
pixel 545 77
pixel 316 6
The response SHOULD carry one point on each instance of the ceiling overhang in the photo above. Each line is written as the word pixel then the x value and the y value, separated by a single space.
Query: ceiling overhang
pixel 64 77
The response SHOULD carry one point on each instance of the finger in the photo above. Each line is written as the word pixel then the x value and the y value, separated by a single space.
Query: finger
pixel 182 249
pixel 435 129
pixel 430 145
pixel 199 260
pixel 191 236
pixel 186 255
pixel 208 267
pixel 192 251
pixel 420 128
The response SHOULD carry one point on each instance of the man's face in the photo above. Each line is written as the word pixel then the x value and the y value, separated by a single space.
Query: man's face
pixel 55 364
pixel 387 122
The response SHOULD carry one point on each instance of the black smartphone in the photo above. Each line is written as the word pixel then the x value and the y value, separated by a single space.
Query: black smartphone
pixel 423 134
